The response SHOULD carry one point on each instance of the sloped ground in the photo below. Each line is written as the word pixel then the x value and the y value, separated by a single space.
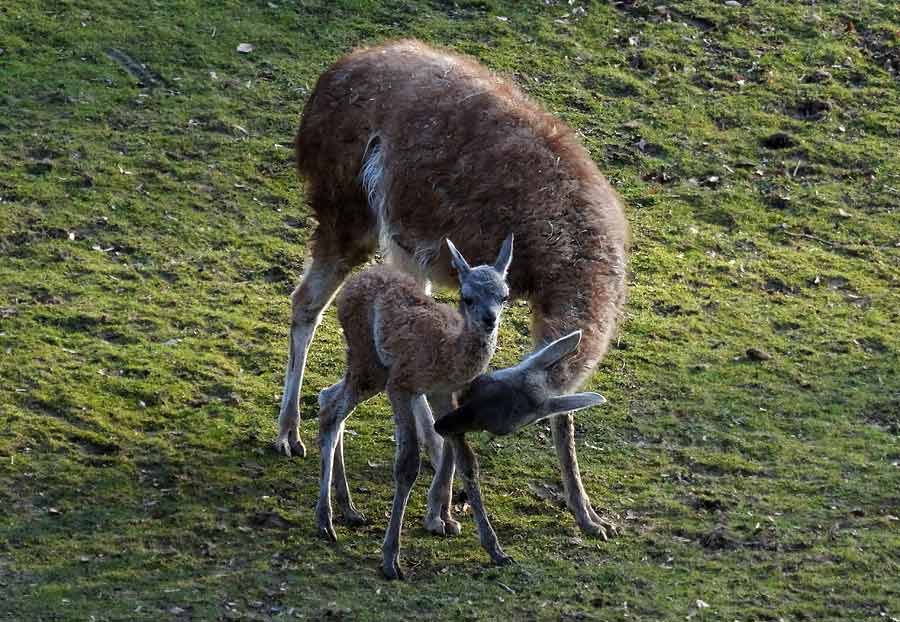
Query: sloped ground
pixel 152 227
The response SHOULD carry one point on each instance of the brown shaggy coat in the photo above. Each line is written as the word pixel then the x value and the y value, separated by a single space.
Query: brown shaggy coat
pixel 472 159
pixel 398 335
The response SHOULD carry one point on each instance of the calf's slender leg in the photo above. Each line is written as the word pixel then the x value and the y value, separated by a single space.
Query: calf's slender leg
pixel 425 430
pixel 351 515
pixel 337 403
pixel 437 515
pixel 468 472
pixel 406 469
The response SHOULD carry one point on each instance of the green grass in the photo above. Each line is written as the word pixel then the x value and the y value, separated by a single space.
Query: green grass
pixel 150 235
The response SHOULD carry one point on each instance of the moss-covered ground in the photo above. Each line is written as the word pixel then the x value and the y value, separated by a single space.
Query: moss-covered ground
pixel 152 227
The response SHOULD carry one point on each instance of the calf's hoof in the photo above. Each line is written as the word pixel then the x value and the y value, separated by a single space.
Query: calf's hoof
pixel 451 527
pixel 355 518
pixel 502 559
pixel 327 533
pixel 441 527
pixel 392 571
pixel 325 526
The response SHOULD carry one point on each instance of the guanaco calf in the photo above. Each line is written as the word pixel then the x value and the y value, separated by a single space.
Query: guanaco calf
pixel 403 342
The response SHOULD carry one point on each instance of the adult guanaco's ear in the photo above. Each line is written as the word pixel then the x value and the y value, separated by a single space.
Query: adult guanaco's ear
pixel 459 262
pixel 504 259
pixel 554 351
pixel 571 403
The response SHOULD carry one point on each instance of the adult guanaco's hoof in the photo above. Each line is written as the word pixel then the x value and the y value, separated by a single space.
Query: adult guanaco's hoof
pixel 290 446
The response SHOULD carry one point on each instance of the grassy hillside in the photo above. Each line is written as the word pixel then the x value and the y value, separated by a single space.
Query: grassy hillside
pixel 152 226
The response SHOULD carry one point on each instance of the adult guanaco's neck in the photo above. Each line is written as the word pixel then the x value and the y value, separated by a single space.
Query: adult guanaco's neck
pixel 591 301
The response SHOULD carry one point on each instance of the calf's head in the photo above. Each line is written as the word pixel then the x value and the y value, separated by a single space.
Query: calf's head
pixel 483 289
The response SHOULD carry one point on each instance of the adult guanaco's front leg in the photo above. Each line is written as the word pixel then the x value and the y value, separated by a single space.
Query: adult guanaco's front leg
pixel 309 300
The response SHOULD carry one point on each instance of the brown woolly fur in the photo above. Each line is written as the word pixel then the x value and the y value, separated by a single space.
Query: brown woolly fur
pixel 386 315
pixel 474 159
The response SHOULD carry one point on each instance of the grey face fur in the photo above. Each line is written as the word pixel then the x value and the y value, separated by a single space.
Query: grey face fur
pixel 508 399
pixel 483 289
